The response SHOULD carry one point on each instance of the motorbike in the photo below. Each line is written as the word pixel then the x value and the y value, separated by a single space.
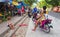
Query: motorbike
pixel 46 25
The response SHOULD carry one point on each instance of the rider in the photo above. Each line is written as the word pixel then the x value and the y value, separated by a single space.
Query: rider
pixel 34 12
pixel 43 15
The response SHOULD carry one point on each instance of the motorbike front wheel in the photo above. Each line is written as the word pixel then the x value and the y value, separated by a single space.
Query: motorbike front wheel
pixel 46 28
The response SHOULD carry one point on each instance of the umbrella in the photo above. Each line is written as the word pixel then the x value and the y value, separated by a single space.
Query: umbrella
pixel 21 3
pixel 15 3
pixel 18 6
pixel 10 1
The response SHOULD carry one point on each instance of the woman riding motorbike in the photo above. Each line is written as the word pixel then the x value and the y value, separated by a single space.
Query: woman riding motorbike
pixel 42 16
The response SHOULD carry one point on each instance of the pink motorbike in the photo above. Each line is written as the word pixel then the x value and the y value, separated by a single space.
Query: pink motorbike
pixel 46 27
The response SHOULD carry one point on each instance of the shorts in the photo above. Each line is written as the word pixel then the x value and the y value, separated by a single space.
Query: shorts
pixel 8 26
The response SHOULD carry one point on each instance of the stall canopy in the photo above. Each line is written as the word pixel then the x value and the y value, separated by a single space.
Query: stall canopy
pixel 2 0
pixel 15 3
pixel 23 4
pixel 5 0
pixel 10 1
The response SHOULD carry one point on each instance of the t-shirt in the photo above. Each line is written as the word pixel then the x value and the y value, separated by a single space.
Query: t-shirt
pixel 38 15
pixel 19 10
pixel 46 16
pixel 22 9
pixel 27 10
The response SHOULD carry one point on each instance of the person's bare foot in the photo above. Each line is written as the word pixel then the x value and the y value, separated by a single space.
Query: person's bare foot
pixel 33 29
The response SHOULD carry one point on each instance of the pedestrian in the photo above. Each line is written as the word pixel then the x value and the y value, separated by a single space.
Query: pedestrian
pixel 19 12
pixel 22 10
pixel 35 10
pixel 29 12
pixel 0 16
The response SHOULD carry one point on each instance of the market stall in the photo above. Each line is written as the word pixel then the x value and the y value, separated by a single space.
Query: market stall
pixel 4 10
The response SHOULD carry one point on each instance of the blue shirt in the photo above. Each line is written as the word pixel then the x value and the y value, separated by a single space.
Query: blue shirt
pixel 34 10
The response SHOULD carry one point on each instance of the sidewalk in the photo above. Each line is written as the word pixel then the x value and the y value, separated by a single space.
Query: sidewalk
pixel 3 26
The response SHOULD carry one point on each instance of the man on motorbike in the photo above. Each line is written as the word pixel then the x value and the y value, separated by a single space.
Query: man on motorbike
pixel 34 12
pixel 42 16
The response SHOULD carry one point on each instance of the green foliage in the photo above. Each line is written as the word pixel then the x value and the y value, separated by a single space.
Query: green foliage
pixel 43 3
pixel 53 2
pixel 30 2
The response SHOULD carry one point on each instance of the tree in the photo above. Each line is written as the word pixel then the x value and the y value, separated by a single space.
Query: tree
pixel 30 2
pixel 43 3
pixel 53 2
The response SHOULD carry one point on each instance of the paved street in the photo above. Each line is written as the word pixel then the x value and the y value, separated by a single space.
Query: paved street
pixel 56 15
pixel 21 23
pixel 11 32
pixel 21 32
pixel 55 32
pixel 4 24
pixel 27 31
